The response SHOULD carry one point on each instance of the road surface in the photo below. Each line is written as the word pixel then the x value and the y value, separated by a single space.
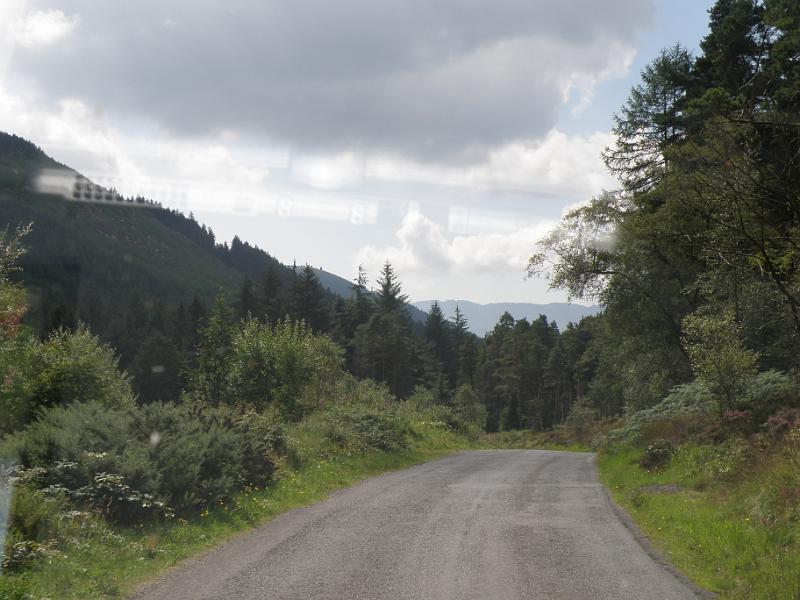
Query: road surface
pixel 493 524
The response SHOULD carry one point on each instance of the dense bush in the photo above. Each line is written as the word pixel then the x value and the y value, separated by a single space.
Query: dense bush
pixel 691 399
pixel 70 366
pixel 768 392
pixel 657 455
pixel 133 462
pixel 469 408
pixel 282 366
pixel 359 428
pixel 75 366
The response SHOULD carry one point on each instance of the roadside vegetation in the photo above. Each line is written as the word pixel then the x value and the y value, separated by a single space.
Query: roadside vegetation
pixel 719 496
pixel 102 547
pixel 100 489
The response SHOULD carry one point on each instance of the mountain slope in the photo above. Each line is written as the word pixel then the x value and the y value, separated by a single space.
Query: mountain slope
pixel 483 317
pixel 85 257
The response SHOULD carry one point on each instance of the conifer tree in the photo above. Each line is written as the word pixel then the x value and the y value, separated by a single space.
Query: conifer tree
pixel 247 304
pixel 270 295
pixel 308 302
pixel 213 352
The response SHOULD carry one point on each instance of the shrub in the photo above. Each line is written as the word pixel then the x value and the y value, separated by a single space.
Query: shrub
pixel 68 367
pixel 728 458
pixel 768 392
pixel 78 367
pixel 280 365
pixel 657 455
pixel 783 421
pixel 361 428
pixel 691 399
pixel 468 406
pixel 581 415
pixel 719 358
pixel 676 429
pixel 133 463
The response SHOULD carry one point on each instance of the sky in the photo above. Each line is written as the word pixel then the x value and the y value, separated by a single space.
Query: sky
pixel 446 137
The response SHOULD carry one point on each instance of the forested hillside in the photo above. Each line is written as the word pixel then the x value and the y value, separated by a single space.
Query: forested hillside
pixel 144 279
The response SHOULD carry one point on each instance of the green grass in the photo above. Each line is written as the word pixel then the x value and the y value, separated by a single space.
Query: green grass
pixel 107 562
pixel 718 528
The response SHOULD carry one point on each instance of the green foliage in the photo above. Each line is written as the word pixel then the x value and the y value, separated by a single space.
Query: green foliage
pixel 134 462
pixel 86 558
pixel 683 400
pixel 696 259
pixel 78 367
pixel 651 120
pixel 70 366
pixel 768 392
pixel 307 301
pixel 725 516
pixel 657 455
pixel 357 428
pixel 468 407
pixel 282 366
pixel 720 360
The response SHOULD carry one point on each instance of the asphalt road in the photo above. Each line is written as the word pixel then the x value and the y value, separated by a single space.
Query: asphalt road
pixel 494 524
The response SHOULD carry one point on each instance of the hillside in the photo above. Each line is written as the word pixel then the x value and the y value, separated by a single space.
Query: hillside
pixel 483 317
pixel 84 258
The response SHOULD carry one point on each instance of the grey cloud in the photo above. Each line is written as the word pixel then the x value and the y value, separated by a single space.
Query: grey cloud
pixel 441 81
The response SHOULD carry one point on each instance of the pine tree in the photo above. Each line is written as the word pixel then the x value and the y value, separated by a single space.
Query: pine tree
pixel 390 296
pixel 385 346
pixel 247 304
pixel 213 352
pixel 439 337
pixel 270 295
pixel 308 302
pixel 465 348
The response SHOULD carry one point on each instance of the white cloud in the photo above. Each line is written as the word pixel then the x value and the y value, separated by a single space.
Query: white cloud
pixel 424 248
pixel 329 172
pixel 447 82
pixel 484 267
pixel 565 165
pixel 42 28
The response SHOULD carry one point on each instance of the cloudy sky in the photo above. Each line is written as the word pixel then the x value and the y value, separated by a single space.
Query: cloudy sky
pixel 445 136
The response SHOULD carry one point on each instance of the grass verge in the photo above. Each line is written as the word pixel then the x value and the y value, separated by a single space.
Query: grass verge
pixel 711 519
pixel 109 562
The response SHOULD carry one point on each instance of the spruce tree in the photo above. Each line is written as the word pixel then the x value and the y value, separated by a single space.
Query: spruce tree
pixel 270 295
pixel 308 302
pixel 390 295
pixel 247 304
pixel 213 352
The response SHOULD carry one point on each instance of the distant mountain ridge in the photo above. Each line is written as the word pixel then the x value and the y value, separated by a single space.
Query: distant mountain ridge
pixel 483 317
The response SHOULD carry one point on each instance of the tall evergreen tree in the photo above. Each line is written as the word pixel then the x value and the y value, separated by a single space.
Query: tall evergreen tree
pixel 439 336
pixel 385 347
pixel 247 304
pixel 650 121
pixel 270 295
pixel 213 353
pixel 308 301
pixel 389 294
